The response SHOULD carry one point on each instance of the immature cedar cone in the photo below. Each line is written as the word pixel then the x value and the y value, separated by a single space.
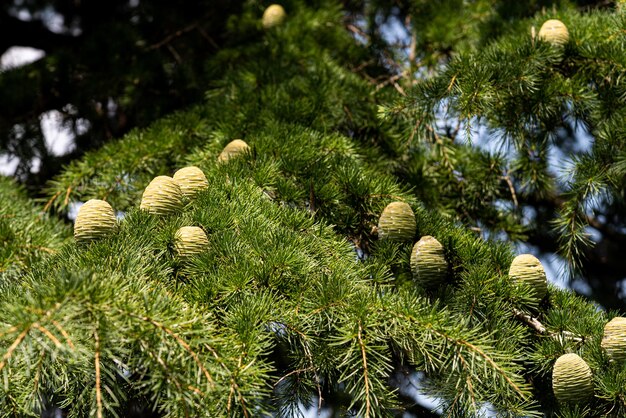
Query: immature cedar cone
pixel 274 15
pixel 162 196
pixel 233 149
pixel 191 180
pixel 571 379
pixel 397 222
pixel 526 268
pixel 190 240
pixel 95 219
pixel 614 339
pixel 428 263
pixel 554 31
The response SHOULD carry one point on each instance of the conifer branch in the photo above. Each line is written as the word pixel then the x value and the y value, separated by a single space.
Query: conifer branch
pixel 477 350
pixel 179 340
pixel 312 367
pixel 365 371
pixel 535 324
pixel 14 345
pixel 48 334
pixel 40 364
pixel 63 332
pixel 508 181
pixel 97 367
pixel 234 387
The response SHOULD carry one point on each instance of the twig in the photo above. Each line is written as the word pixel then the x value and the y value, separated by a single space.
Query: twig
pixel 174 35
pixel 67 196
pixel 175 54
pixel 511 188
pixel 51 201
pixel 97 361
pixel 207 37
pixel 48 334
pixel 292 373
pixel 541 329
pixel 178 339
pixel 309 355
pixel 365 373
pixel 357 31
pixel 13 346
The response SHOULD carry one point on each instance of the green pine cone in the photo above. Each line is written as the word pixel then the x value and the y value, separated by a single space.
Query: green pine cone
pixel 614 339
pixel 554 31
pixel 95 219
pixel 572 380
pixel 274 15
pixel 428 263
pixel 190 240
pixel 233 149
pixel 526 268
pixel 162 196
pixel 397 222
pixel 191 180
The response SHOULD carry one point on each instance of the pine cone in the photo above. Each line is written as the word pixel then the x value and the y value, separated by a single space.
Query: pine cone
pixel 191 180
pixel 233 149
pixel 162 196
pixel 190 240
pixel 428 263
pixel 274 15
pixel 526 268
pixel 95 219
pixel 397 222
pixel 572 380
pixel 614 339
pixel 554 31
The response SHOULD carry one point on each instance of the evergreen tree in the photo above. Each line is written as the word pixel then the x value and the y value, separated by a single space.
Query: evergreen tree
pixel 360 237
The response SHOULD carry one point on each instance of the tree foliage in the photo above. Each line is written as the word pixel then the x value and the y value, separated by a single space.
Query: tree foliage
pixel 296 301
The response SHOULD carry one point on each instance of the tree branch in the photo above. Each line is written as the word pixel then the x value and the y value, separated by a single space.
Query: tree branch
pixel 541 329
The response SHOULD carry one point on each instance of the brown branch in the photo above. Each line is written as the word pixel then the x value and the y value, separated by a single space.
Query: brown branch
pixel 42 353
pixel 97 364
pixel 48 334
pixel 511 188
pixel 175 54
pixel 357 31
pixel 309 355
pixel 51 201
pixel 63 332
pixel 541 329
pixel 169 38
pixel 298 371
pixel 234 387
pixel 67 196
pixel 207 37
pixel 13 346
pixel 392 80
pixel 368 406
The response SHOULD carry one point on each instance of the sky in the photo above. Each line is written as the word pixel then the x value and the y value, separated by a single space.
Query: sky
pixel 58 138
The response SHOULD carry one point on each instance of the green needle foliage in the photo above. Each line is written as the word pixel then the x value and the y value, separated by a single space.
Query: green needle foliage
pixel 295 301
pixel 553 120
pixel 27 233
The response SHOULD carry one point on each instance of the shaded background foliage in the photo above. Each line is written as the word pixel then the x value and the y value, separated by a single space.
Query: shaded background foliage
pixel 113 64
